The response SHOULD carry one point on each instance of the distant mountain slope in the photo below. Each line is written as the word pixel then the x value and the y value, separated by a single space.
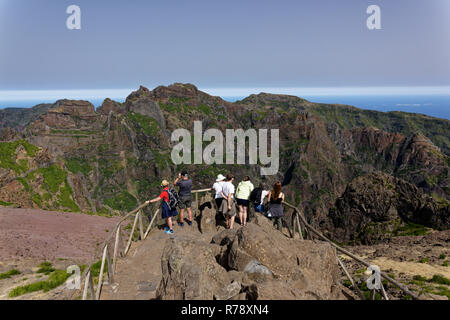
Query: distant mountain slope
pixel 19 118
pixel 348 117
pixel 73 157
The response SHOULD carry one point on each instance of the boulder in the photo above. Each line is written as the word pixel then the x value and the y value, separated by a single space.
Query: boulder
pixel 269 259
pixel 190 271
pixel 207 215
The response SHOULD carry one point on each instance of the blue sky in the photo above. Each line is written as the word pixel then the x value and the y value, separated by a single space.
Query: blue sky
pixel 223 44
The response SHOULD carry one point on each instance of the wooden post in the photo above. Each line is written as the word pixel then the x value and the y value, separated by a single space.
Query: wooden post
pixel 131 234
pixel 384 293
pixel 102 268
pixel 293 225
pixel 141 226
pixel 91 286
pixel 116 249
pixel 351 279
pixel 298 225
pixel 86 286
pixel 150 225
pixel 351 255
pixel 110 273
pixel 197 206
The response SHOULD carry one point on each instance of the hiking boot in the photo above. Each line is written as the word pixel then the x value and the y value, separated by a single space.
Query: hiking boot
pixel 181 224
pixel 169 232
pixel 166 228
pixel 189 223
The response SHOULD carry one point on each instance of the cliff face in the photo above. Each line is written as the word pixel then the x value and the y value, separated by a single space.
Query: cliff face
pixel 72 157
pixel 378 206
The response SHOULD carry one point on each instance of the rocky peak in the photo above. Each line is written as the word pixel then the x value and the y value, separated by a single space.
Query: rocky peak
pixel 176 90
pixel 141 92
pixel 110 106
pixel 73 108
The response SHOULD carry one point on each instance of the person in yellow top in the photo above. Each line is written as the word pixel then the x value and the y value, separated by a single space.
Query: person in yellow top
pixel 243 191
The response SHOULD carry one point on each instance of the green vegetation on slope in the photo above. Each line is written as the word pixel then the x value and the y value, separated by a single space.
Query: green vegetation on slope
pixel 9 274
pixel 347 117
pixel 123 201
pixel 149 125
pixel 8 155
pixel 76 165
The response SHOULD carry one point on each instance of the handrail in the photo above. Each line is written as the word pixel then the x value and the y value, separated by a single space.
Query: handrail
pixel 116 232
pixel 297 220
pixel 351 255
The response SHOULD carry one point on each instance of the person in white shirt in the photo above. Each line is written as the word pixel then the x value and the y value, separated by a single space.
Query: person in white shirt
pixel 228 207
pixel 217 188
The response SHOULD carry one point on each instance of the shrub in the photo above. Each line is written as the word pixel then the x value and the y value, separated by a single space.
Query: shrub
pixel 9 274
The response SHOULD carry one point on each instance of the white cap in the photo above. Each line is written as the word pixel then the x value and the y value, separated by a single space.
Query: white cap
pixel 220 178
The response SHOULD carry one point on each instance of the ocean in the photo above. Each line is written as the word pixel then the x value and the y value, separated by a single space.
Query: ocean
pixel 432 105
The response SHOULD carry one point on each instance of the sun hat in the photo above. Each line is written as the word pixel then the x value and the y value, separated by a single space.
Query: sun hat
pixel 220 178
pixel 164 183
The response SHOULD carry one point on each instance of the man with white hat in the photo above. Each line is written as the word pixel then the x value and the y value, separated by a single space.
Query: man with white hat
pixel 217 187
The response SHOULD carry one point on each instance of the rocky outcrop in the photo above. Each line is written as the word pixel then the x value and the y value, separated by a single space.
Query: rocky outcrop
pixel 141 102
pixel 254 262
pixel 190 271
pixel 373 206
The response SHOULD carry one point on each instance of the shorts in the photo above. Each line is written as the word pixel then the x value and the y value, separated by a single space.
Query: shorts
pixel 166 212
pixel 224 208
pixel 218 202
pixel 185 202
pixel 242 202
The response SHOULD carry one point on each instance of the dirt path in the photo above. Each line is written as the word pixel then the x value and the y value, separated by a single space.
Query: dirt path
pixel 139 274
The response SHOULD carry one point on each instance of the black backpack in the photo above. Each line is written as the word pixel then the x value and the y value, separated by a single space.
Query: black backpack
pixel 255 196
pixel 173 198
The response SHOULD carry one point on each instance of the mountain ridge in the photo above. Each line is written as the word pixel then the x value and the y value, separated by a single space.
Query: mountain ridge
pixel 112 158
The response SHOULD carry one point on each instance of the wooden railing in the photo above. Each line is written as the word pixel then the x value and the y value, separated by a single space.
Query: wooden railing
pixel 298 222
pixel 88 289
pixel 298 216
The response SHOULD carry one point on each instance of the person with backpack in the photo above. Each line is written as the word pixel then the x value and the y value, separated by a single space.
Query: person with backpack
pixel 243 192
pixel 185 186
pixel 169 199
pixel 257 197
pixel 228 207
pixel 276 199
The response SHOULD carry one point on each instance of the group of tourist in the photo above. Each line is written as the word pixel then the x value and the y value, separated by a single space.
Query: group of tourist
pixel 230 202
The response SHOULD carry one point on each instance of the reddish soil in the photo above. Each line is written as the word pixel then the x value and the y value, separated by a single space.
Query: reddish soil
pixel 42 235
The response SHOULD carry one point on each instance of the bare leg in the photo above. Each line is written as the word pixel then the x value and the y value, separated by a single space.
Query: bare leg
pixel 181 215
pixel 228 222
pixel 244 222
pixel 241 212
pixel 169 223
pixel 231 222
pixel 189 210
